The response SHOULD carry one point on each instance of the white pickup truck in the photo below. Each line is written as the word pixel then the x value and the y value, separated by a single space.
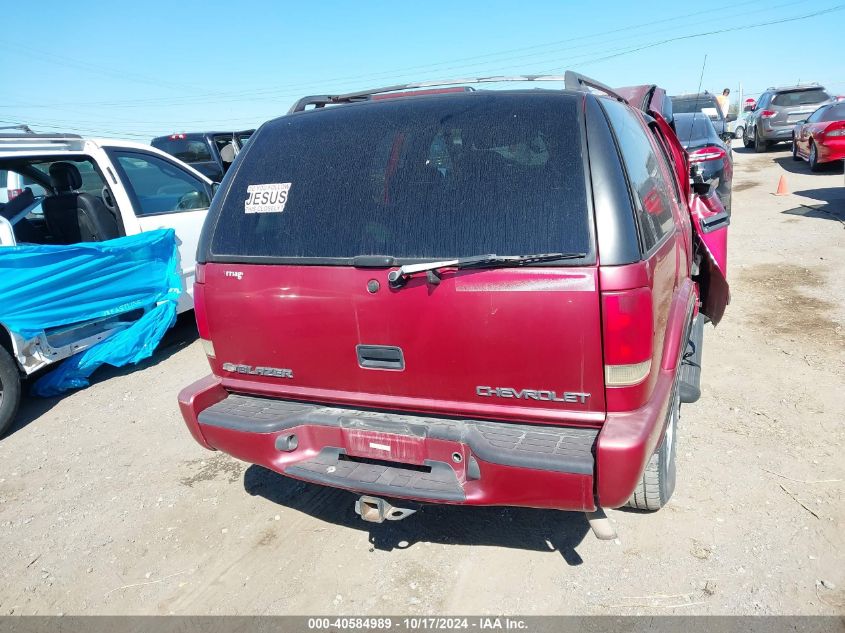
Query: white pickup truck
pixel 89 190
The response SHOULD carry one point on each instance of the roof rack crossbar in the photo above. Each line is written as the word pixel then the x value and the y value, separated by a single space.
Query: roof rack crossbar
pixel 23 127
pixel 582 83
pixel 319 101
pixel 40 137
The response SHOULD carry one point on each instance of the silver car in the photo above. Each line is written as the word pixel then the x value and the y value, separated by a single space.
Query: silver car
pixel 777 111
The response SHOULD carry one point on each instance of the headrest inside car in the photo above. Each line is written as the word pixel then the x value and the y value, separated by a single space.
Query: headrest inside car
pixel 65 177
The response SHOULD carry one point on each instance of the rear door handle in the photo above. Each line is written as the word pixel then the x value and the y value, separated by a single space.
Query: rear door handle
pixel 380 357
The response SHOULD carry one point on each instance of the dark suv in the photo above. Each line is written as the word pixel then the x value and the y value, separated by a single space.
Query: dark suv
pixel 777 112
pixel 210 153
pixel 488 298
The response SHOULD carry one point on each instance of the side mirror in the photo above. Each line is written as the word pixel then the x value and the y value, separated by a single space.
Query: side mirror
pixel 214 187
pixel 726 137
pixel 7 233
pixel 730 118
pixel 748 108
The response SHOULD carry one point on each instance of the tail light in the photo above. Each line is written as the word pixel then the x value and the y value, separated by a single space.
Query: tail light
pixel 767 114
pixel 628 330
pixel 834 130
pixel 711 152
pixel 177 137
pixel 200 311
pixel 14 193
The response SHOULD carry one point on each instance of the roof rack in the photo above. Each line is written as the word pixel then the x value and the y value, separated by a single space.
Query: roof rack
pixel 41 142
pixel 572 81
pixel 23 127
pixel 812 84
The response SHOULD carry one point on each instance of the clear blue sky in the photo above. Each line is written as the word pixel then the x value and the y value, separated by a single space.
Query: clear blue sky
pixel 161 67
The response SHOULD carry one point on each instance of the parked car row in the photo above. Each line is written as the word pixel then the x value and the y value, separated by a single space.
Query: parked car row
pixel 777 112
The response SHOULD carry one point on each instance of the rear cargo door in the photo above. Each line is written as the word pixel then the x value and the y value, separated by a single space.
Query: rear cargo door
pixel 324 204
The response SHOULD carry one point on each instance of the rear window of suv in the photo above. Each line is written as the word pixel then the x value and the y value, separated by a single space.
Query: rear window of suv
pixel 800 97
pixel 690 105
pixel 185 149
pixel 412 178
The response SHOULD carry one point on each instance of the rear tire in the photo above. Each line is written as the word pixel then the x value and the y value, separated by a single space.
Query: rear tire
pixel 739 132
pixel 813 159
pixel 10 390
pixel 658 482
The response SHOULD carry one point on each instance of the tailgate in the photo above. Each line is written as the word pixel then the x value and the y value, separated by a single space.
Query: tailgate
pixel 503 343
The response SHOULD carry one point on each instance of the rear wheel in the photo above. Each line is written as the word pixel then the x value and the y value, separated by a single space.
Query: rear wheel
pixel 10 390
pixel 658 482
pixel 739 132
pixel 814 158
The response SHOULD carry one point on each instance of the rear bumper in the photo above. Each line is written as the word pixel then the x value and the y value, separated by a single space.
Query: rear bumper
pixel 832 149
pixel 472 462
pixel 776 133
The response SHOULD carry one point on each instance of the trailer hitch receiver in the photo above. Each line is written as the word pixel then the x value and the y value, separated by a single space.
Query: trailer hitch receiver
pixel 375 510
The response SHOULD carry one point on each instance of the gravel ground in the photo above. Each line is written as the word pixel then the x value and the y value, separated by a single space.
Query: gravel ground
pixel 107 506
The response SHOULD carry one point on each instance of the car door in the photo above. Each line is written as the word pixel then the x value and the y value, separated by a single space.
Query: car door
pixel 811 127
pixel 165 195
pixel 762 103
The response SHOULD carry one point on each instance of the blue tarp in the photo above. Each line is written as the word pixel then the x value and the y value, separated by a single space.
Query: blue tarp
pixel 43 286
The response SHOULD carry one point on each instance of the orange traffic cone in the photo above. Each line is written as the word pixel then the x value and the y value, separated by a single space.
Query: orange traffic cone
pixel 782 190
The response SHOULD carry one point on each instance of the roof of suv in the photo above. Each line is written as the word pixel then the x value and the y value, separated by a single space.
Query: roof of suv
pixel 795 87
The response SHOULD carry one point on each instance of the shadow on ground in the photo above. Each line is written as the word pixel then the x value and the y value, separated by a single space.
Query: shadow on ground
pixel 738 148
pixel 182 334
pixel 830 204
pixel 520 528
pixel 801 166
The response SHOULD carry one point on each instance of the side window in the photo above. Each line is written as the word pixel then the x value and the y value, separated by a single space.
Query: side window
pixel 817 115
pixel 159 186
pixel 647 180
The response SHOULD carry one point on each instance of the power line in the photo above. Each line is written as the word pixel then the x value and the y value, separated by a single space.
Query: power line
pixel 278 92
pixel 618 53
pixel 679 38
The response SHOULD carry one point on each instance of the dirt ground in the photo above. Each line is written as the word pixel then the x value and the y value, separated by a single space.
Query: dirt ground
pixel 107 506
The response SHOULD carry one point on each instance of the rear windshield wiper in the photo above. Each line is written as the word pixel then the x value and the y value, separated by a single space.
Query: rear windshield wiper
pixel 398 277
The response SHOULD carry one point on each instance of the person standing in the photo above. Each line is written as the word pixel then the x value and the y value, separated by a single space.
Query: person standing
pixel 724 101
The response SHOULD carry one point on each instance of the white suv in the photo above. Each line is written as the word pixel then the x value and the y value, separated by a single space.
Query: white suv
pixel 69 189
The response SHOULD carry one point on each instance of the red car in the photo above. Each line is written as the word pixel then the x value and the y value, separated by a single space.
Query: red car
pixel 488 297
pixel 821 138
